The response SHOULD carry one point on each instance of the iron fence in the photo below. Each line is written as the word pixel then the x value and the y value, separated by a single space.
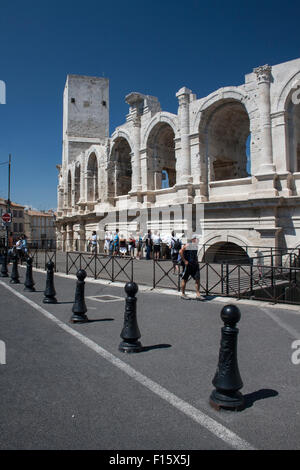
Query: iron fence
pixel 101 266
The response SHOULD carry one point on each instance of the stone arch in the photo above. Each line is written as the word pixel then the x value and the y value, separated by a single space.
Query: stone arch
pixel 227 93
pixel 120 167
pixel 291 112
pixel 238 239
pixel 168 118
pixel 92 177
pixel 224 131
pixel 160 152
pixel 286 92
pixel 121 133
pixel 226 252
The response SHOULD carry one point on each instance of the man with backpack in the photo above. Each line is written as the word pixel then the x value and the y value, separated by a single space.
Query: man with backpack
pixel 148 244
pixel 189 257
pixel 175 248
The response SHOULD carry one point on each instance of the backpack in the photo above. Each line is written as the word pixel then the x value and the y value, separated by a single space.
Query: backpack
pixel 177 245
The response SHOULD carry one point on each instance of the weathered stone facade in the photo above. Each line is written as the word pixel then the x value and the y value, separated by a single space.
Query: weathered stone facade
pixel 196 157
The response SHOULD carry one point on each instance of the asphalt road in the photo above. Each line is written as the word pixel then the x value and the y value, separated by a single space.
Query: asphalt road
pixel 62 391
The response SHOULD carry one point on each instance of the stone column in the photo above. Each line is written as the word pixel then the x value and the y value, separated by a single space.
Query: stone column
pixel 263 75
pixel 63 237
pixel 82 180
pixel 69 240
pixel 81 237
pixel 136 103
pixel 183 169
pixel 136 161
pixel 72 208
pixel 60 198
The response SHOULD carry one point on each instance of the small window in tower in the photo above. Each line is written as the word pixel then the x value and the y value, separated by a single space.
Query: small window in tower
pixel 103 103
pixel 72 100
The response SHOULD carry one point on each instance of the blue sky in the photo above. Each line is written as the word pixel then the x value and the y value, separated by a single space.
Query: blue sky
pixel 154 47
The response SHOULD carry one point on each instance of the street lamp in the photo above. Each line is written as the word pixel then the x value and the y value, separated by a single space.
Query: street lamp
pixel 4 272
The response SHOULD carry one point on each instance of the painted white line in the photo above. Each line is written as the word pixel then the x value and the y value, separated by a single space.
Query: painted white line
pixel 294 333
pixel 198 416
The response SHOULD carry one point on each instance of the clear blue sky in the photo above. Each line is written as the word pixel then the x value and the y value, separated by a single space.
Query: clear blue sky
pixel 154 47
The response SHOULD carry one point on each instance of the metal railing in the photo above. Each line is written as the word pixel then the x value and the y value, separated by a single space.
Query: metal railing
pixel 101 266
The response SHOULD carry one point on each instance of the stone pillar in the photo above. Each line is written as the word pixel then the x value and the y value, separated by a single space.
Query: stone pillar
pixel 63 237
pixel 82 180
pixel 183 168
pixel 60 198
pixel 69 240
pixel 136 103
pixel 72 208
pixel 81 237
pixel 136 161
pixel 59 241
pixel 263 75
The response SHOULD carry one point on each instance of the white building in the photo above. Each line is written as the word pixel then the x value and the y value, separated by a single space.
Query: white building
pixel 200 153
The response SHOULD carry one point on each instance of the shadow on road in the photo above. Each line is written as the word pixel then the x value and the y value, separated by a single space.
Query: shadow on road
pixel 251 398
pixel 156 346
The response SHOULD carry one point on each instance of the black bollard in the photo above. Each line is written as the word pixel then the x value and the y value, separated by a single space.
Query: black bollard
pixel 227 379
pixel 79 308
pixel 130 333
pixel 4 271
pixel 29 280
pixel 14 277
pixel 49 292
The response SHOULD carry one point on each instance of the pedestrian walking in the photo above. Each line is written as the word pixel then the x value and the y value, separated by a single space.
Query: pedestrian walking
pixel 189 257
pixel 175 247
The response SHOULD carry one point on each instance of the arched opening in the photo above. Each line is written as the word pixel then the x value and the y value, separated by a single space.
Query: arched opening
pixel 92 178
pixel 225 136
pixel 161 159
pixel 293 135
pixel 226 252
pixel 77 184
pixel 69 189
pixel 120 168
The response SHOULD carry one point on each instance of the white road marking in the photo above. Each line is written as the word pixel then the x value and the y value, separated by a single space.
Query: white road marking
pixel 294 333
pixel 201 418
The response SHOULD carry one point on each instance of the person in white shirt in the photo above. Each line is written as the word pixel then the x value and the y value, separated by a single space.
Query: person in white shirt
pixel 108 238
pixel 156 245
